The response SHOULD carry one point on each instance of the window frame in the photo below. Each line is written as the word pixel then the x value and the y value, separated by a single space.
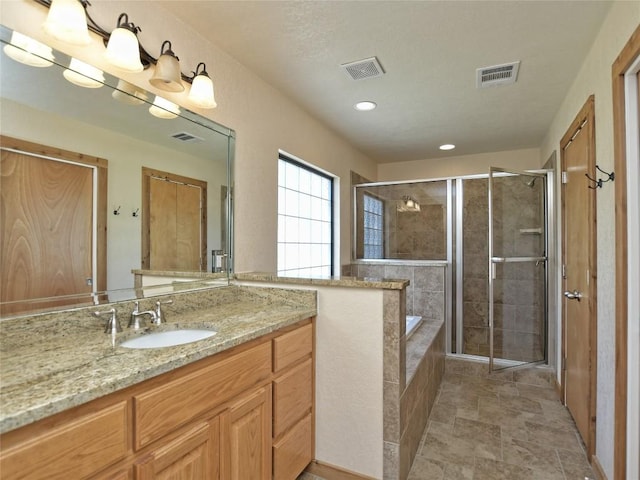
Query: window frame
pixel 365 228
pixel 315 171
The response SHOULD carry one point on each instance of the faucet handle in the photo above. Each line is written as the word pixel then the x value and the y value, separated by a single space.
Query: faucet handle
pixel 113 325
pixel 159 315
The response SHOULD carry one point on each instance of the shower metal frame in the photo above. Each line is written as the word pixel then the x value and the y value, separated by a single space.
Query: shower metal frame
pixel 455 248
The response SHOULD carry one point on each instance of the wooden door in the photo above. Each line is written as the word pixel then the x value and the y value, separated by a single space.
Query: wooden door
pixel 579 308
pixel 174 225
pixel 248 441
pixel 46 231
pixel 192 456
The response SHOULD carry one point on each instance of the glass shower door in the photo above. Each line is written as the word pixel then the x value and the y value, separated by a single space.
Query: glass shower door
pixel 517 268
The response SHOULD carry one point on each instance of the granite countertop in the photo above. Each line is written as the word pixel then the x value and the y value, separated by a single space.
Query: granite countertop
pixel 53 362
pixel 335 281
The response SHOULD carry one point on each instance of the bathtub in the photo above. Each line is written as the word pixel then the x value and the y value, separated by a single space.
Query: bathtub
pixel 413 322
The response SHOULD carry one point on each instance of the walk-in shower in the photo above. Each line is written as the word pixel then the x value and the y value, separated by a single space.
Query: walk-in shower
pixel 491 233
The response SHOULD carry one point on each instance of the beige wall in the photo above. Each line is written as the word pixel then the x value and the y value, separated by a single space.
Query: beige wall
pixel 527 159
pixel 264 120
pixel 595 78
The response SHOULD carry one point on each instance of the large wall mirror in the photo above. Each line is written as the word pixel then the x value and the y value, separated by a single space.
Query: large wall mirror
pixel 158 190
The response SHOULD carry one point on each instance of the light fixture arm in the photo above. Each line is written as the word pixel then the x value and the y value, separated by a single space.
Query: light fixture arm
pixel 203 72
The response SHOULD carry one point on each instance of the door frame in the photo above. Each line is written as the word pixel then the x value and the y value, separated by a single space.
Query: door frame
pixel 100 185
pixel 630 52
pixel 586 114
pixel 147 174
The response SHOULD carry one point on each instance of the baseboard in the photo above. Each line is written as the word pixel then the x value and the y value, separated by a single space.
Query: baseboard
pixel 597 468
pixel 331 472
pixel 558 389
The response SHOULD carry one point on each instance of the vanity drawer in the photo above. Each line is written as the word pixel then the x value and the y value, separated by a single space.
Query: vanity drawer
pixel 292 346
pixel 75 449
pixel 294 451
pixel 292 397
pixel 161 410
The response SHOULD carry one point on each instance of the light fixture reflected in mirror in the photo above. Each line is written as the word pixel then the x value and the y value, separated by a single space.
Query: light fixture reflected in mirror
pixel 28 51
pixel 130 94
pixel 163 108
pixel 123 49
pixel 201 93
pixel 67 22
pixel 166 75
pixel 83 74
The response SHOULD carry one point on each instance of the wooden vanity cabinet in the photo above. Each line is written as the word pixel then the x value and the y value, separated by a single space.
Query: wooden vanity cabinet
pixel 246 413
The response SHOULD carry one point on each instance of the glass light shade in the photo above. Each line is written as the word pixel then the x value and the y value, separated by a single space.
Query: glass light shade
pixel 129 94
pixel 26 50
pixel 201 93
pixel 83 74
pixel 123 50
pixel 163 108
pixel 166 75
pixel 67 22
pixel 410 203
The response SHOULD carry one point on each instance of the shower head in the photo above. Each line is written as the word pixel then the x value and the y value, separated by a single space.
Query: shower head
pixel 531 182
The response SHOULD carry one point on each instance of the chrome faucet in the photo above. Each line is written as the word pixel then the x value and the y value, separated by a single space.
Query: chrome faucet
pixel 134 322
pixel 159 315
pixel 112 326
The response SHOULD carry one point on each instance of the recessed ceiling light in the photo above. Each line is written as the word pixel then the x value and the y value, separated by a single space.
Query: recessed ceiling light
pixel 447 146
pixel 365 106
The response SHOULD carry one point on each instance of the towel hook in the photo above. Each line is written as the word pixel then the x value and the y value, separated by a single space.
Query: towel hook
pixel 598 183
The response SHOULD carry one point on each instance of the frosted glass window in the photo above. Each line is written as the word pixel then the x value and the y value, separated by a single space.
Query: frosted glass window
pixel 373 227
pixel 305 221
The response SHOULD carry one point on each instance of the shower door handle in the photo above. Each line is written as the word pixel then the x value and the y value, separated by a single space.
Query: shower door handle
pixel 575 295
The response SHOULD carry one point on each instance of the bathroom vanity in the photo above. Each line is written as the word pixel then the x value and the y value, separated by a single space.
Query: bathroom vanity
pixel 237 405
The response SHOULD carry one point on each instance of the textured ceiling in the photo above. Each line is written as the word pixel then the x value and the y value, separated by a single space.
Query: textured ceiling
pixel 430 51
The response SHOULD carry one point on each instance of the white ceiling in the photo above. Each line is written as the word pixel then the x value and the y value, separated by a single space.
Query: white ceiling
pixel 430 51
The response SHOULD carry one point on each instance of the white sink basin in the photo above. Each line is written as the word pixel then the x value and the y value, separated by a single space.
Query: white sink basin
pixel 169 338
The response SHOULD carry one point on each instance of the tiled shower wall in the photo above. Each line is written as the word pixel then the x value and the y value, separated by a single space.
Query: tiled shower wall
pixel 519 287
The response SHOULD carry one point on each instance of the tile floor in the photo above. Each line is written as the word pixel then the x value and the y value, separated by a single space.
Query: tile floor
pixel 509 425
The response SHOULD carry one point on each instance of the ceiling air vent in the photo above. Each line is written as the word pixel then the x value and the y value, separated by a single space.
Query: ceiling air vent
pixel 497 75
pixel 367 68
pixel 187 137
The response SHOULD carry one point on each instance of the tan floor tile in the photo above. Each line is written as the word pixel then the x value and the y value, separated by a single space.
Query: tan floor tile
pixel 537 393
pixel 516 402
pixel 532 455
pixel 578 472
pixel 426 469
pixel 458 472
pixel 566 438
pixel 486 469
pixel 446 447
pixel 478 431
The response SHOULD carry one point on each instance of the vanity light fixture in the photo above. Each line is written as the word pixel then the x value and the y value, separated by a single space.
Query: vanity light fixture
pixel 28 51
pixel 447 146
pixel 365 106
pixel 83 74
pixel 167 74
pixel 123 49
pixel 408 204
pixel 163 108
pixel 201 93
pixel 127 93
pixel 67 22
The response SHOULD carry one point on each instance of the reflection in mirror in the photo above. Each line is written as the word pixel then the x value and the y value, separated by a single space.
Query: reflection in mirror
pixel 67 118
pixel 403 221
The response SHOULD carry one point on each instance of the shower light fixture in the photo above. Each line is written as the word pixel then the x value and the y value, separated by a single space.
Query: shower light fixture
pixel 447 146
pixel 365 106
pixel 408 204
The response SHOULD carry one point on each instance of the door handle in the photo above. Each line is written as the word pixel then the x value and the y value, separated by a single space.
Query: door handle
pixel 575 295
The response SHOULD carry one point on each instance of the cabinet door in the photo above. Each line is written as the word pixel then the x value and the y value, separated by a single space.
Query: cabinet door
pixel 191 456
pixel 247 452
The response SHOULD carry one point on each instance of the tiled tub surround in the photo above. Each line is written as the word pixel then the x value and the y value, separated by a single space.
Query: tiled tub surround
pixel 411 383
pixel 53 362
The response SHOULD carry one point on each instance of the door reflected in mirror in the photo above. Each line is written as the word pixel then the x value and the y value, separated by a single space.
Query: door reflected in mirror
pixel 38 105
